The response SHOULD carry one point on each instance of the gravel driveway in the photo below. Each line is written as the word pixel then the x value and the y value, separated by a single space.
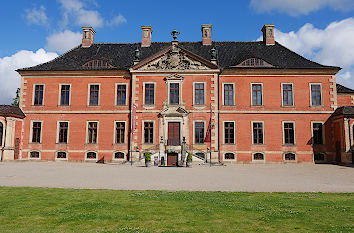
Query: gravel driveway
pixel 248 178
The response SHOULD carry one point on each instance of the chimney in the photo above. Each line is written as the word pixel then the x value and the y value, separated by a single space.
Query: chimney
pixel 87 36
pixel 268 34
pixel 146 36
pixel 206 34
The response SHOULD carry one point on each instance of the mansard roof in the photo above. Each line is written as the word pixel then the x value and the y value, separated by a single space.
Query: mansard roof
pixel 344 90
pixel 11 111
pixel 229 55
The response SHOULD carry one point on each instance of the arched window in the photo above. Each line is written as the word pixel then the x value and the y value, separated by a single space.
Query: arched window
pixel 289 156
pixel 229 156
pixel 91 155
pixel 319 157
pixel 1 132
pixel 34 154
pixel 118 155
pixel 254 62
pixel 200 155
pixel 258 156
pixel 97 64
pixel 61 155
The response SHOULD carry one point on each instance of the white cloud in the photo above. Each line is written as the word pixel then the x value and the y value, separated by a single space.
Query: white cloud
pixel 10 79
pixel 119 19
pixel 300 7
pixel 333 45
pixel 63 41
pixel 37 16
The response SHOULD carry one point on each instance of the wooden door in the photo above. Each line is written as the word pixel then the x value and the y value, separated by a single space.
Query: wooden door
pixel 17 148
pixel 172 159
pixel 173 134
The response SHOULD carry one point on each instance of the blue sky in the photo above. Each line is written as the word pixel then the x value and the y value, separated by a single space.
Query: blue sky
pixel 37 31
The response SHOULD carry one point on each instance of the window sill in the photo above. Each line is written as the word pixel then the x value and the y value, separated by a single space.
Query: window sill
pixel 230 105
pixel 91 144
pixel 316 106
pixel 61 159
pixel 288 106
pixel 289 145
pixel 257 106
pixel 119 144
pixel 121 105
pixel 93 105
pixel 253 144
pixel 148 106
pixel 228 144
pixel 37 105
pixel 35 143
pixel 62 143
pixel 199 106
pixel 64 106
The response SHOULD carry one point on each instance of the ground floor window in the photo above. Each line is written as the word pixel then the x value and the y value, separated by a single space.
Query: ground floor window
pixel 258 156
pixel 34 155
pixel 61 155
pixel 229 156
pixel 118 155
pixel 289 156
pixel 91 155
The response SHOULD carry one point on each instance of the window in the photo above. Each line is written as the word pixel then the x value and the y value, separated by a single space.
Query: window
pixel 257 99
pixel 174 93
pixel 118 155
pixel 121 94
pixel 254 62
pixel 257 132
pixel 65 95
pixel 258 156
pixel 319 157
pixel 36 132
pixel 289 133
pixel 290 156
pixel 61 155
pixel 149 94
pixel 316 99
pixel 199 132
pixel 229 156
pixel 97 64
pixel 91 155
pixel 288 95
pixel 228 94
pixel 63 132
pixel 92 132
pixel 34 155
pixel 148 132
pixel 94 94
pixel 38 94
pixel 199 93
pixel 120 132
pixel 317 133
pixel 229 131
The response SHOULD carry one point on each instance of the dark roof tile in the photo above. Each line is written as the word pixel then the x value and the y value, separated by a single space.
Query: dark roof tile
pixel 9 110
pixel 344 90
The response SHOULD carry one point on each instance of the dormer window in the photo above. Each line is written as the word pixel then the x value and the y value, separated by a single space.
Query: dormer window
pixel 254 62
pixel 97 64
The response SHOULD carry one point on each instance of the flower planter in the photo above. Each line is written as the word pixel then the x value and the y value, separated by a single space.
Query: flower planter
pixel 188 164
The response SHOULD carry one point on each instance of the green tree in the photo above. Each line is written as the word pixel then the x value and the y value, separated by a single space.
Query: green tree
pixel 16 100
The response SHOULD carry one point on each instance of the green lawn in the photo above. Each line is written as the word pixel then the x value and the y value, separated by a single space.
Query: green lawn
pixel 69 210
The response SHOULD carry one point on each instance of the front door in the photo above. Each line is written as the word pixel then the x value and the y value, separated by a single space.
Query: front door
pixel 172 159
pixel 173 134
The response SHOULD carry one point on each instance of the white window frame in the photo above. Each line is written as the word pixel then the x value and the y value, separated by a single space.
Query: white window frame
pixel 252 136
pixel 31 132
pixel 310 85
pixel 223 94
pixel 205 129
pixel 144 103
pixel 262 104
pixel 282 95
pixel 259 161
pixel 235 157
pixel 33 94
pixel 56 155
pixel 88 94
pixel 96 159
pixel 58 127
pixel 113 155
pixel 98 129
pixel 205 92
pixel 223 132
pixel 59 95
pixel 115 94
pixel 180 82
pixel 323 133
pixel 153 132
pixel 29 155
pixel 283 132
pixel 289 161
pixel 115 135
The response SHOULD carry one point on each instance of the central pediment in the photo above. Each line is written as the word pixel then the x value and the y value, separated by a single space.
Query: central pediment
pixel 172 59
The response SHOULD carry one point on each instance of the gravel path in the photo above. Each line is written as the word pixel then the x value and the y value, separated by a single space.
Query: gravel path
pixel 248 178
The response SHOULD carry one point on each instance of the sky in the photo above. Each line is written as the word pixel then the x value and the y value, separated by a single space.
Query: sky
pixel 37 31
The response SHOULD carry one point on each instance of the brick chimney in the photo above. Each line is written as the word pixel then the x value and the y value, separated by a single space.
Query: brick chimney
pixel 206 34
pixel 87 36
pixel 146 36
pixel 268 34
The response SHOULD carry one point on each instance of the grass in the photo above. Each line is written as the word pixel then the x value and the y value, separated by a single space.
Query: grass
pixel 70 210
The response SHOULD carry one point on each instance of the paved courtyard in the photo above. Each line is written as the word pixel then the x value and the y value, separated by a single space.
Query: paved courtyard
pixel 249 177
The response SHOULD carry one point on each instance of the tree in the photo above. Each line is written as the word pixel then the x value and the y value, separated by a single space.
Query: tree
pixel 16 100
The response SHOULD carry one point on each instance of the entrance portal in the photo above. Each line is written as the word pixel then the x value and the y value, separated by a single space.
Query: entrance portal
pixel 172 159
pixel 173 134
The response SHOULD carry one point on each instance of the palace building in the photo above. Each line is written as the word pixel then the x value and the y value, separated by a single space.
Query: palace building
pixel 230 102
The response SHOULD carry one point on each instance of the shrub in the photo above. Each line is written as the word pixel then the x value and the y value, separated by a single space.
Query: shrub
pixel 147 157
pixel 189 157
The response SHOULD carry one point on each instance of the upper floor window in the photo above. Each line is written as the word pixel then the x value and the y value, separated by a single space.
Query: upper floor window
pixel 174 93
pixel 94 94
pixel 92 132
pixel 257 92
pixel 199 93
pixel 254 62
pixel 257 132
pixel 36 132
pixel 199 132
pixel 317 132
pixel 97 64
pixel 228 94
pixel 229 132
pixel 149 94
pixel 38 94
pixel 287 94
pixel 63 132
pixel 121 94
pixel 316 95
pixel 289 133
pixel 65 94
